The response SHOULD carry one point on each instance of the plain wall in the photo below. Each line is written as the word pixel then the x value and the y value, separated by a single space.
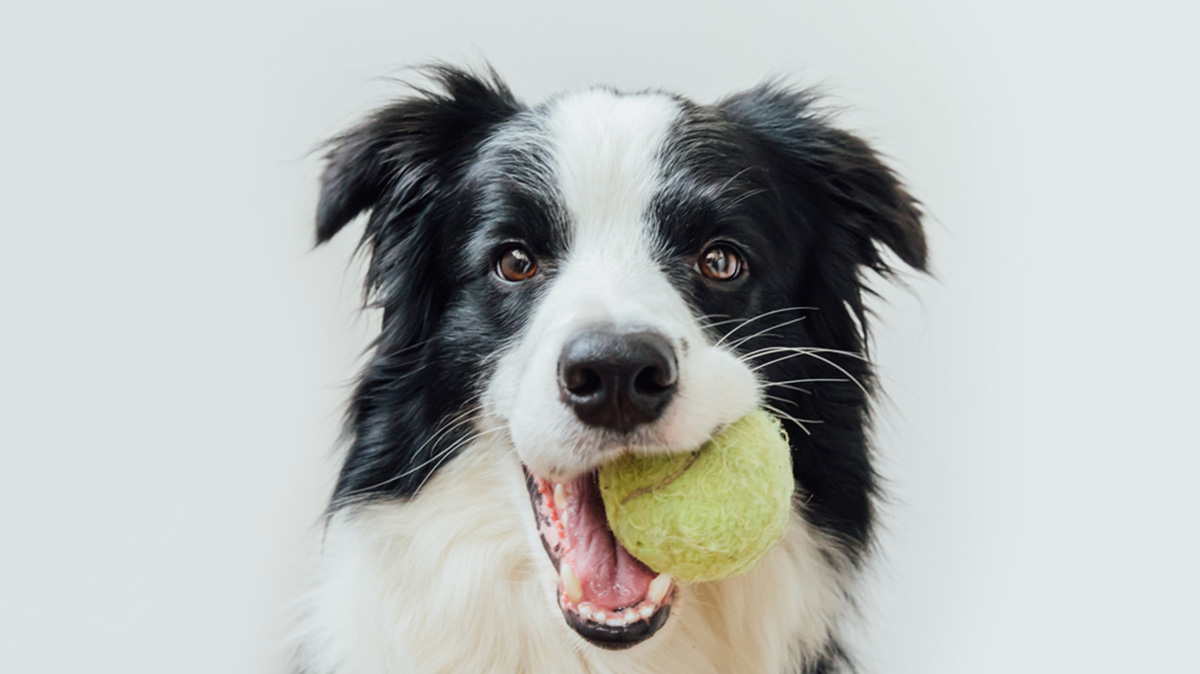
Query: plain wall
pixel 175 356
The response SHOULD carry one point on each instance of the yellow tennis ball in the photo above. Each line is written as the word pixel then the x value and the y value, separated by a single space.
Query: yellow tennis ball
pixel 707 514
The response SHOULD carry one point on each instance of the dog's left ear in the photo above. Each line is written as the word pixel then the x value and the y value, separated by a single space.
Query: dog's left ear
pixel 403 155
pixel 404 165
pixel 861 202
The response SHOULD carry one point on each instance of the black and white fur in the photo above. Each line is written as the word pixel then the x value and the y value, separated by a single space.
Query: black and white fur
pixel 431 562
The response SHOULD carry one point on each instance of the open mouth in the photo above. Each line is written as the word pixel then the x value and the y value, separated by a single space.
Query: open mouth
pixel 608 597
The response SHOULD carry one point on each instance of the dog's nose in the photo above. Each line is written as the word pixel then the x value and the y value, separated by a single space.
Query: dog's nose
pixel 617 381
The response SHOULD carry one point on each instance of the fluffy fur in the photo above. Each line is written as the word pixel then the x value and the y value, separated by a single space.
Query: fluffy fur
pixel 431 559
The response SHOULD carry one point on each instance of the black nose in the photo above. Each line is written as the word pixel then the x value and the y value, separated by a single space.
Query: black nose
pixel 617 381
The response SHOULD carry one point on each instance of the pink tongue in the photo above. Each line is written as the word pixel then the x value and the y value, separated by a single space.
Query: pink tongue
pixel 610 576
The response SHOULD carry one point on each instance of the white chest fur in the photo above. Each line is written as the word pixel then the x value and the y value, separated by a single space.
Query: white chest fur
pixel 455 581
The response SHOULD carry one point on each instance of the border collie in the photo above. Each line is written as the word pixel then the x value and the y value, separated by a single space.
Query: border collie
pixel 601 273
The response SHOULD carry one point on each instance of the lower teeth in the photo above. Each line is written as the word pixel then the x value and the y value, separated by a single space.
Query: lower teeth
pixel 642 611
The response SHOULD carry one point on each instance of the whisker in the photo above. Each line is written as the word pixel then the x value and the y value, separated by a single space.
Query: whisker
pixel 791 388
pixel 781 400
pixel 790 355
pixel 748 194
pixel 714 324
pixel 446 454
pixel 814 354
pixel 791 418
pixel 412 469
pixel 790 384
pixel 841 369
pixel 729 181
pixel 768 350
pixel 743 340
pixel 760 316
pixel 805 381
pixel 461 419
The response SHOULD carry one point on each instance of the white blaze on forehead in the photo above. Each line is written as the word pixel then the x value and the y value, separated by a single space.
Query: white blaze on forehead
pixel 606 153
pixel 606 161
pixel 603 165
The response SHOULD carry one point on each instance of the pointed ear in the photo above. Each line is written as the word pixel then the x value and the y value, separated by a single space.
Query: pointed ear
pixel 403 154
pixel 857 194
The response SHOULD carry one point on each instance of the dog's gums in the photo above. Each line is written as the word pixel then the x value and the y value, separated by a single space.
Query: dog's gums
pixel 607 596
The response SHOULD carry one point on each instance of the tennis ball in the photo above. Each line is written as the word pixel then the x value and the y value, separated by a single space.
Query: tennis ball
pixel 707 514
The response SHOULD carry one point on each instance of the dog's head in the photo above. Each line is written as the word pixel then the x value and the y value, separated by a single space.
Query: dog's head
pixel 612 272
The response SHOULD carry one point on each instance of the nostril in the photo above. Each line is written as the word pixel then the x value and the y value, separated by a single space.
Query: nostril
pixel 653 380
pixel 583 382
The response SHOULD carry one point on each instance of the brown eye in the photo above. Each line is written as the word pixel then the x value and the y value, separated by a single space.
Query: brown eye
pixel 721 263
pixel 516 265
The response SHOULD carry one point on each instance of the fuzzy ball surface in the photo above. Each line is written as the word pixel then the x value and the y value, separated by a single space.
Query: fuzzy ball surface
pixel 709 514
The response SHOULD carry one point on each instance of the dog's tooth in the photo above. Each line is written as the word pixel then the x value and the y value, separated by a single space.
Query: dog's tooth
pixel 585 610
pixel 599 616
pixel 658 588
pixel 562 519
pixel 615 622
pixel 560 496
pixel 631 616
pixel 646 610
pixel 570 582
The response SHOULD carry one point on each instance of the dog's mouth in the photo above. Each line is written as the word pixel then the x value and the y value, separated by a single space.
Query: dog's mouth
pixel 608 597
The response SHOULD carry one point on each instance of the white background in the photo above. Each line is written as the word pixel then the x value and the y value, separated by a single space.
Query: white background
pixel 174 357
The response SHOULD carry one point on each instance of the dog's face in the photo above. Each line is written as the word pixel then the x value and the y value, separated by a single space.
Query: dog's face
pixel 608 273
pixel 631 265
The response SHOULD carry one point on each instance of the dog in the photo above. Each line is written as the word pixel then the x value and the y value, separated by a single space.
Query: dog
pixel 602 273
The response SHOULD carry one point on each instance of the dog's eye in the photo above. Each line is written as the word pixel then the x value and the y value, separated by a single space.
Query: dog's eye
pixel 720 263
pixel 516 265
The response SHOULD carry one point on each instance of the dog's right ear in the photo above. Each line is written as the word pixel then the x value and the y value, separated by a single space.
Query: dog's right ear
pixel 401 156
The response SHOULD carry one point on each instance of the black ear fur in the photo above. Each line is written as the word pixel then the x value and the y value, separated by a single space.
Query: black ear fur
pixel 398 154
pixel 406 165
pixel 402 164
pixel 861 196
pixel 852 206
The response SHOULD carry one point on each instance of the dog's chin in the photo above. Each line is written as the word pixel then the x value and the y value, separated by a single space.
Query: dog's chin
pixel 606 595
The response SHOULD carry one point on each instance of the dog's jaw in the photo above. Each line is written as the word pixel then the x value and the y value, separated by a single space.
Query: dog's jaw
pixel 404 585
pixel 606 595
